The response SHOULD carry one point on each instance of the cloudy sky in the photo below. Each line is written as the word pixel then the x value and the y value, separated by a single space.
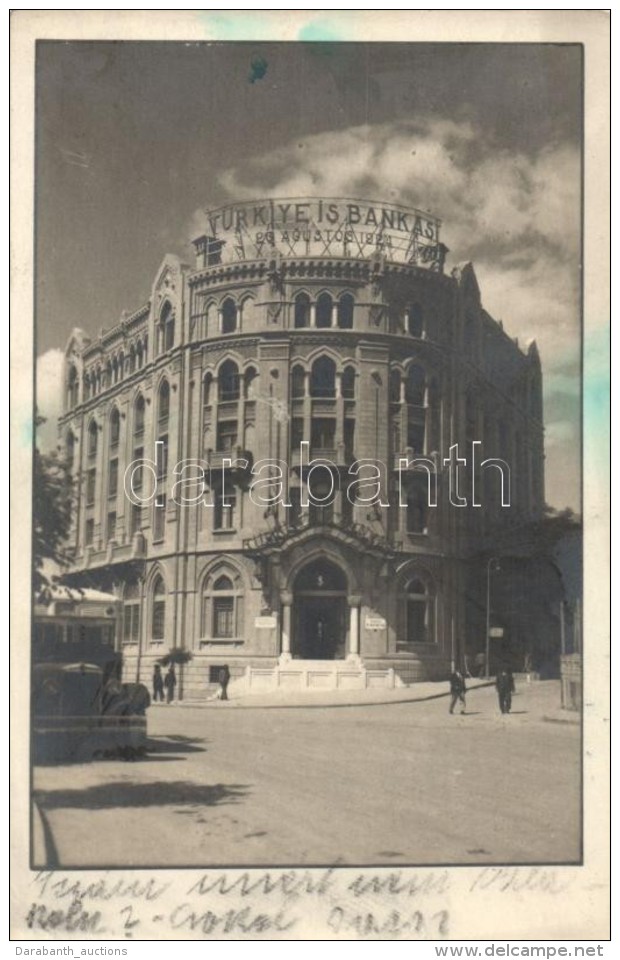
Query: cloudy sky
pixel 134 140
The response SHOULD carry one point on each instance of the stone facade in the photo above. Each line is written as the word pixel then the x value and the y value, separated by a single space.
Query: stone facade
pixel 231 364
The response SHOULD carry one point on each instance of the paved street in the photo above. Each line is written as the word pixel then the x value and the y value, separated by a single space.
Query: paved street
pixel 396 783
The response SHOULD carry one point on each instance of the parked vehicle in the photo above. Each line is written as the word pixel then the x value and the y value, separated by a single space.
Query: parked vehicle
pixel 79 716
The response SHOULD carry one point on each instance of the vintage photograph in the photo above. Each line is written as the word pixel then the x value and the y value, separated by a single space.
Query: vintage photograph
pixel 307 493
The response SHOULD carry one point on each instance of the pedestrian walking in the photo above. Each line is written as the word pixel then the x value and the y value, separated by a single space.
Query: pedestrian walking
pixel 457 690
pixel 170 682
pixel 223 679
pixel 158 684
pixel 505 685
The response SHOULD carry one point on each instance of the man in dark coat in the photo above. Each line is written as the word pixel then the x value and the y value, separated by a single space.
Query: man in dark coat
pixel 158 684
pixel 457 690
pixel 505 686
pixel 170 682
pixel 223 679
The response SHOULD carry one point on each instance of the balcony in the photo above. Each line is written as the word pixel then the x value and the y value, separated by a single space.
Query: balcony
pixel 337 454
pixel 216 460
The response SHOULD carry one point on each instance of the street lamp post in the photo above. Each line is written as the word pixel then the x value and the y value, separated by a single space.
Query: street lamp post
pixel 493 563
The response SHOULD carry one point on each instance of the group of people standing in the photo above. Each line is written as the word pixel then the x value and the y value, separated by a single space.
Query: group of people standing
pixel 504 684
pixel 163 683
pixel 168 682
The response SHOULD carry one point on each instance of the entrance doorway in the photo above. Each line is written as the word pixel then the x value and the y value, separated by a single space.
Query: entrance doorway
pixel 320 612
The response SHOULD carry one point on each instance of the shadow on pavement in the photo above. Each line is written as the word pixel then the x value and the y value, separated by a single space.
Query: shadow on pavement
pixel 106 796
pixel 174 744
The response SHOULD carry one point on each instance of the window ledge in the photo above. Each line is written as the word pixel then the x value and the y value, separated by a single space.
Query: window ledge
pixel 220 641
pixel 225 531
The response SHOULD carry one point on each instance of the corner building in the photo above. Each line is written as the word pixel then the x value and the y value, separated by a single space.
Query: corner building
pixel 325 321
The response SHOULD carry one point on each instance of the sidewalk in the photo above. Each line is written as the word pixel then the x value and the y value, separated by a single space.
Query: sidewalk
pixel 546 693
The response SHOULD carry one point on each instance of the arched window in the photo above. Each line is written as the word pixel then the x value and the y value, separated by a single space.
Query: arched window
pixel 345 311
pixel 419 612
pixel 302 310
pixel 324 310
pixel 138 417
pixel 139 354
pixel 115 428
pixel 87 386
pixel 416 386
pixel 131 613
pixel 163 403
pixel 132 359
pixel 108 373
pixel 298 382
pixel 229 315
pixel 415 320
pixel 92 439
pixel 222 605
pixel 166 327
pixel 348 383
pixel 323 378
pixel 228 381
pixel 73 387
pixel 158 619
pixel 115 370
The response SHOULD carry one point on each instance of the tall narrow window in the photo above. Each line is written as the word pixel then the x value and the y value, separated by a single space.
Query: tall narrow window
pixel 158 622
pixel 166 327
pixel 323 378
pixel 91 480
pixel 419 626
pixel 138 417
pixel 298 382
pixel 229 315
pixel 348 383
pixel 159 517
pixel 225 507
pixel 302 310
pixel 115 428
pixel 417 505
pixel 161 456
pixel 345 311
pixel 222 606
pixel 415 320
pixel 113 477
pixel 92 439
pixel 131 614
pixel 73 386
pixel 111 525
pixel 228 381
pixel 70 450
pixel 324 310
pixel 163 402
pixel 416 386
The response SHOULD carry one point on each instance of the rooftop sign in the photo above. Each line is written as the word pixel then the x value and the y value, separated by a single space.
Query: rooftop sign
pixel 320 227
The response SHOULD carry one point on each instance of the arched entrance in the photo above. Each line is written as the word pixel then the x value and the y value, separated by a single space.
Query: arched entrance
pixel 319 612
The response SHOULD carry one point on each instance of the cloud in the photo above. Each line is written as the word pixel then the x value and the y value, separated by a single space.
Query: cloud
pixel 49 397
pixel 516 215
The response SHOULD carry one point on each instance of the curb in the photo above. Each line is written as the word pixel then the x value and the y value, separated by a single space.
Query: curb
pixel 217 704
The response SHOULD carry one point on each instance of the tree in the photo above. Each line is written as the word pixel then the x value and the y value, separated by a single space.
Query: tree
pixel 52 512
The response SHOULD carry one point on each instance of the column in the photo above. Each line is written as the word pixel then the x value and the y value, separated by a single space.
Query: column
pixel 354 626
pixel 334 316
pixel 286 601
pixel 313 314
